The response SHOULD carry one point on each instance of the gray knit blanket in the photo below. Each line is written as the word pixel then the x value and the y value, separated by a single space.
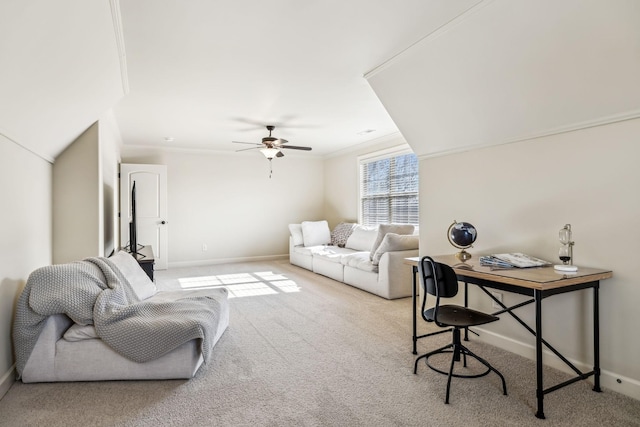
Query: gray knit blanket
pixel 95 291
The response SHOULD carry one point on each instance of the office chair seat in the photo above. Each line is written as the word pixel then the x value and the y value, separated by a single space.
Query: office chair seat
pixel 460 317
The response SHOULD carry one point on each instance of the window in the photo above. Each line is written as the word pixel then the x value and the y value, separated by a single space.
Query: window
pixel 389 189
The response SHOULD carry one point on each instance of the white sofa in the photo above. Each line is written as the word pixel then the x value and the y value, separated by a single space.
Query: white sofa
pixel 368 258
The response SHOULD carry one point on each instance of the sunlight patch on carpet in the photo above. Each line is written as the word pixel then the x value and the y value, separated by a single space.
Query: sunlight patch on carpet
pixel 244 284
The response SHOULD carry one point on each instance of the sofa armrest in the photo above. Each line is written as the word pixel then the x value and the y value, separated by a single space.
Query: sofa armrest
pixel 395 274
pixel 41 364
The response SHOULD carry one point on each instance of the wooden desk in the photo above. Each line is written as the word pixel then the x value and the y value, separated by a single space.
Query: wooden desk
pixel 538 283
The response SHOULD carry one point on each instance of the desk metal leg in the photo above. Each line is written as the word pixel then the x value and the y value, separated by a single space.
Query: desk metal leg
pixel 413 300
pixel 596 340
pixel 539 379
pixel 466 304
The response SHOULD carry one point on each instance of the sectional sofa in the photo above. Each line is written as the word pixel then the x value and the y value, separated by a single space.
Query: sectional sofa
pixel 368 258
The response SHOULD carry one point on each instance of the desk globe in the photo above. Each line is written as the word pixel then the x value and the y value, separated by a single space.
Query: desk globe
pixel 462 235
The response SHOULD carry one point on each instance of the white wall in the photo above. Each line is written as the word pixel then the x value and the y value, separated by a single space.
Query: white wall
pixel 77 193
pixel 110 143
pixel 227 202
pixel 85 194
pixel 518 196
pixel 25 191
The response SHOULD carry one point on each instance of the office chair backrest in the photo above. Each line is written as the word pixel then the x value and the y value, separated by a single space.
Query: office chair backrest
pixel 444 277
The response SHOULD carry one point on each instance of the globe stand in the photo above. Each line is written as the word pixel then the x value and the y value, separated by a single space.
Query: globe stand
pixel 463 255
pixel 461 235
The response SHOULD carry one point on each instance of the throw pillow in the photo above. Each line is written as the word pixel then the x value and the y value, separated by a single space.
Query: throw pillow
pixel 383 229
pixel 341 233
pixel 362 238
pixel 296 234
pixel 140 282
pixel 315 233
pixel 395 242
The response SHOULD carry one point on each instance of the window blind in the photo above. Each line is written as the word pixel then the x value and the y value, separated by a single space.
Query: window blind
pixel 389 190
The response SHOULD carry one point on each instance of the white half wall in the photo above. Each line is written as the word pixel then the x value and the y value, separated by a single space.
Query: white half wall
pixel 77 205
pixel 110 143
pixel 224 207
pixel 25 191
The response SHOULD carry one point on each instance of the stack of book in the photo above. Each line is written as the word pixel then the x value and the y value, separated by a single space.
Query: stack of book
pixel 512 260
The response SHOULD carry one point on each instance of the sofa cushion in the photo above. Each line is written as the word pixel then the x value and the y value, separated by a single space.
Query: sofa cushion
pixel 316 233
pixel 362 238
pixel 80 332
pixel 383 229
pixel 395 242
pixel 359 260
pixel 332 253
pixel 140 282
pixel 311 250
pixel 296 234
pixel 341 233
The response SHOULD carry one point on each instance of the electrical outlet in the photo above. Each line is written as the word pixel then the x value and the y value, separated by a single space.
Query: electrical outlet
pixel 204 247
pixel 498 296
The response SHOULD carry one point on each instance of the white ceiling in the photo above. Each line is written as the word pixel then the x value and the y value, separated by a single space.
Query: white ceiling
pixel 208 72
pixel 454 74
pixel 59 71
pixel 512 71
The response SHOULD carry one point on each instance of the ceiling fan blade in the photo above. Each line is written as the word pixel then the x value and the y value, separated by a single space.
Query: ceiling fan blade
pixel 280 154
pixel 247 149
pixel 280 141
pixel 296 147
pixel 250 143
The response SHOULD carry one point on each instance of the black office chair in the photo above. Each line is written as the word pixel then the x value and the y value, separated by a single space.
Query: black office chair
pixel 440 280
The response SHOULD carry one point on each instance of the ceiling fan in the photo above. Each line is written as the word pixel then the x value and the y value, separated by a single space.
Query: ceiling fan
pixel 271 146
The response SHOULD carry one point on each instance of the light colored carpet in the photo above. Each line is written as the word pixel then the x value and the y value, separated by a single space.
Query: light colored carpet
pixel 304 350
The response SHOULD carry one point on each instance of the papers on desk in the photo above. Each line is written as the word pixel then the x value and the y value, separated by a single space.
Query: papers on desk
pixel 512 260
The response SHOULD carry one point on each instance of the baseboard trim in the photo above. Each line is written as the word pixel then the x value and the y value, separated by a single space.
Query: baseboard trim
pixel 214 261
pixel 7 380
pixel 608 380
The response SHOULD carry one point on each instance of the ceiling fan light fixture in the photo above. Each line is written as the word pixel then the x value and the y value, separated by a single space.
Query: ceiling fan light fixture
pixel 269 153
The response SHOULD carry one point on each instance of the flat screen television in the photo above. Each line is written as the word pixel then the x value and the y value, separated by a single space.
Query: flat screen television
pixel 133 228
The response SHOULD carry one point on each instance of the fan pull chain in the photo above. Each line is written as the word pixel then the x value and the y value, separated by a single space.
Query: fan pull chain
pixel 270 168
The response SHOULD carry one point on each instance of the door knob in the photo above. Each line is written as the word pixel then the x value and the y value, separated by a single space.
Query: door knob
pixel 163 222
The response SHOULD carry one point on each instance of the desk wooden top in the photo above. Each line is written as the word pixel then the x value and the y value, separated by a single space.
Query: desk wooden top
pixel 541 278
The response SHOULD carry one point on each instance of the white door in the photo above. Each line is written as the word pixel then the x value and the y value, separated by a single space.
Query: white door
pixel 151 208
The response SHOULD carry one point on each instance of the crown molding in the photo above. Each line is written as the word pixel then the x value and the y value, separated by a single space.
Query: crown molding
pixel 394 136
pixel 119 36
pixel 44 157
pixel 206 151
pixel 603 121
pixel 443 29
